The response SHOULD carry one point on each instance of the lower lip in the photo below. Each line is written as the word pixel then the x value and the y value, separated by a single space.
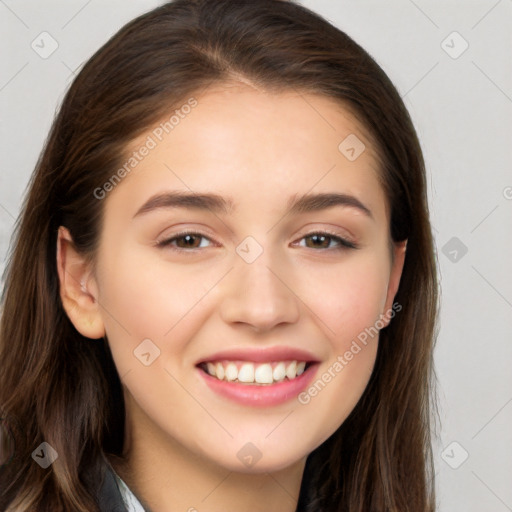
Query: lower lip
pixel 257 395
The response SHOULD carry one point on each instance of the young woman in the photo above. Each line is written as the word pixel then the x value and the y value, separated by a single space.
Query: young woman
pixel 222 291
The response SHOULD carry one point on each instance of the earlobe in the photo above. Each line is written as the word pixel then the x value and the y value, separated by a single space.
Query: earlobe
pixel 399 250
pixel 77 288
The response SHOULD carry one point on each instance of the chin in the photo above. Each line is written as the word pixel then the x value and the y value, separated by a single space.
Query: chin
pixel 250 460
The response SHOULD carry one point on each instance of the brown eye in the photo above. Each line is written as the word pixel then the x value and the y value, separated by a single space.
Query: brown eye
pixel 188 241
pixel 324 241
pixel 184 241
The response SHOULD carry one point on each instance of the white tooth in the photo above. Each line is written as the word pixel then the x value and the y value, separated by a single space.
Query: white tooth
pixel 246 373
pixel 219 370
pixel 211 368
pixel 291 370
pixel 263 374
pixel 279 372
pixel 231 371
pixel 300 368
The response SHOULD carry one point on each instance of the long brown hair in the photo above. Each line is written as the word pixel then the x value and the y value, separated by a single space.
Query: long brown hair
pixel 59 387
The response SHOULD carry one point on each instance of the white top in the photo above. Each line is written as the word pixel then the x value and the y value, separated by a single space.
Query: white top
pixel 132 504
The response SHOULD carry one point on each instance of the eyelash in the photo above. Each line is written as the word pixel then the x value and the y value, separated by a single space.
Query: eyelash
pixel 343 243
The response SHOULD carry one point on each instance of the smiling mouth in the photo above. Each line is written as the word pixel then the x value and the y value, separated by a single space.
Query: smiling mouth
pixel 260 374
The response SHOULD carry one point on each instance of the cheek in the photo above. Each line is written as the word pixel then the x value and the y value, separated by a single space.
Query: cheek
pixel 348 303
pixel 151 298
pixel 348 297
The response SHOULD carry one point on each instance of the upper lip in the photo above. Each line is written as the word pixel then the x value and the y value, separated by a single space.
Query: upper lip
pixel 261 355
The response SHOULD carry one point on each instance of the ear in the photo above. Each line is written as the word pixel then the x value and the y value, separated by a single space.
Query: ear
pixel 78 289
pixel 397 266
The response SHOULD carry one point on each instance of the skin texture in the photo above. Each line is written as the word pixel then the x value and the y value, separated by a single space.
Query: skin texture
pixel 259 149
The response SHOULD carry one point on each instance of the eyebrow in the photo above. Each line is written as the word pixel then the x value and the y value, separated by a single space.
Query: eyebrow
pixel 218 204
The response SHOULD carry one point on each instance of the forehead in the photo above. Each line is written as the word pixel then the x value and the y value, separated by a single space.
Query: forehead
pixel 240 113
pixel 250 144
pixel 282 116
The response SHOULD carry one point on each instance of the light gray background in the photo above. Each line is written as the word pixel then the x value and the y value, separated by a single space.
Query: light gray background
pixel 462 111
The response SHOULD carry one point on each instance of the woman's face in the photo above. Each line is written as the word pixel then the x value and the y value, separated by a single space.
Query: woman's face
pixel 257 286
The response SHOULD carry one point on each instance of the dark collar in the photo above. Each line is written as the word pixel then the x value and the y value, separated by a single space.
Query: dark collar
pixel 109 496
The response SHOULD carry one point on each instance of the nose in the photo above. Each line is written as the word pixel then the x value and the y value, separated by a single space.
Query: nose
pixel 259 295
